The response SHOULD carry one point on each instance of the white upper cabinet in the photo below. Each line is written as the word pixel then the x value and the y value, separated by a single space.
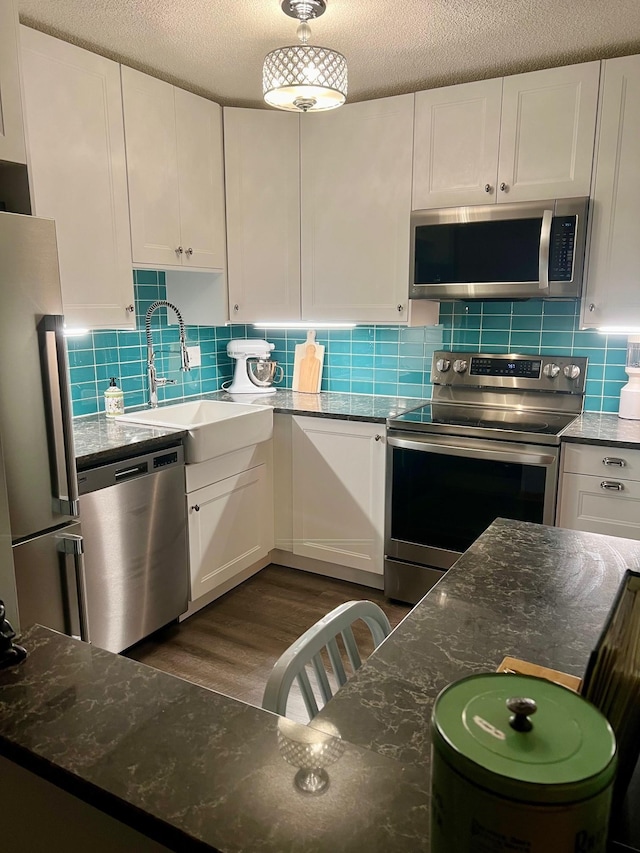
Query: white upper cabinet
pixel 11 127
pixel 520 138
pixel 73 111
pixel 262 169
pixel 613 280
pixel 318 213
pixel 457 134
pixel 175 174
pixel 356 197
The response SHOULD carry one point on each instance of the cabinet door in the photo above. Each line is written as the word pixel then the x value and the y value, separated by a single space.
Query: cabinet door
pixel 338 492
pixel 73 109
pixel 547 133
pixel 356 201
pixel 613 278
pixel 152 169
pixel 263 214
pixel 230 528
pixel 456 137
pixel 201 181
pixel 11 127
pixel 593 504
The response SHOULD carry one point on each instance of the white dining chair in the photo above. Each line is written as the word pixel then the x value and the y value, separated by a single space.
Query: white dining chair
pixel 306 654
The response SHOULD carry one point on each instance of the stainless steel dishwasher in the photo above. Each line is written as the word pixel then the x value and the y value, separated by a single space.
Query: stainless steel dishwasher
pixel 135 546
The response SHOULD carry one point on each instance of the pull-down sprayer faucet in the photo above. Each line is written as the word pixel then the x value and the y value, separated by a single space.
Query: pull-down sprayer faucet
pixel 156 381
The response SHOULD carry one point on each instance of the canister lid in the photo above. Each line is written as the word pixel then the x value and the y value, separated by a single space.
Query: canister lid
pixel 567 754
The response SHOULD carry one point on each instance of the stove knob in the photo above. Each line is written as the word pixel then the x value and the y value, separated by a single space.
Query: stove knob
pixel 459 365
pixel 551 370
pixel 443 364
pixel 571 371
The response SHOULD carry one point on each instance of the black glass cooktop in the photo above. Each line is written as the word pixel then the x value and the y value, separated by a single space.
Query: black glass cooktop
pixel 454 419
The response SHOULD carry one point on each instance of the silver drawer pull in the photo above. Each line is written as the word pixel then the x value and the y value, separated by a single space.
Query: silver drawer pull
pixel 612 486
pixel 614 460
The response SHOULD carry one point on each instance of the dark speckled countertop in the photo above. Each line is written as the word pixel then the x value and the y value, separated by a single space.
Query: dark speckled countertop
pixel 200 767
pixel 601 428
pixel 99 439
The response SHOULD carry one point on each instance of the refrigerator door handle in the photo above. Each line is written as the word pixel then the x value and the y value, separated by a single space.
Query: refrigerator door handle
pixel 53 353
pixel 72 545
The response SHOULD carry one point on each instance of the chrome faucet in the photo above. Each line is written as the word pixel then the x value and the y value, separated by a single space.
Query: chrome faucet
pixel 156 381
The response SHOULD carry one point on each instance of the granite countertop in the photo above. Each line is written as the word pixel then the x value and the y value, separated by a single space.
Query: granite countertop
pixel 99 439
pixel 200 766
pixel 601 428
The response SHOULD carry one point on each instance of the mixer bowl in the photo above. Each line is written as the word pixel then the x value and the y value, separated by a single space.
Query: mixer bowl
pixel 263 372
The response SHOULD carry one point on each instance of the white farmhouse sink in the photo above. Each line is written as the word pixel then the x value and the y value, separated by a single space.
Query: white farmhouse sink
pixel 215 426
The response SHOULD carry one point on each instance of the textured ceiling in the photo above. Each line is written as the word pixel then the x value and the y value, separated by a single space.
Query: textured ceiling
pixel 216 47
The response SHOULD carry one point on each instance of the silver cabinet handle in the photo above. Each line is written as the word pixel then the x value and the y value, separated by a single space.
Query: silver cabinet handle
pixel 592 306
pixel 378 437
pixel 53 354
pixel 179 250
pixel 612 486
pixel 543 256
pixel 488 188
pixel 130 309
pixel 614 460
pixel 400 308
pixel 189 251
pixel 236 307
pixel 503 187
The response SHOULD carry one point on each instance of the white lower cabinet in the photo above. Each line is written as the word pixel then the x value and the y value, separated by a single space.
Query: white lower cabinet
pixel 230 520
pixel 600 490
pixel 338 476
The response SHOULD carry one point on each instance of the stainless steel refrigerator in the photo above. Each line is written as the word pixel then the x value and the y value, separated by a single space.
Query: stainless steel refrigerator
pixel 42 569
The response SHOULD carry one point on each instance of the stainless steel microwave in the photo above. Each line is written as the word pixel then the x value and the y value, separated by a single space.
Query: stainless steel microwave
pixel 499 251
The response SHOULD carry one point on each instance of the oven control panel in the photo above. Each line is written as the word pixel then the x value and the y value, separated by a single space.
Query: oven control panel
pixel 491 366
pixel 558 374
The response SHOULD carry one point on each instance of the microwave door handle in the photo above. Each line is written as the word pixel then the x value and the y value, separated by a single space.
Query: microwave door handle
pixel 543 257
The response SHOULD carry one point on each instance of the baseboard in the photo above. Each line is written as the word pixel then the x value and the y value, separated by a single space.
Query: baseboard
pixel 201 602
pixel 330 570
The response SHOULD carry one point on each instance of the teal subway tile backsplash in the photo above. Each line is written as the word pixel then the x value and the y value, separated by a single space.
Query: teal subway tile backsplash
pixel 389 360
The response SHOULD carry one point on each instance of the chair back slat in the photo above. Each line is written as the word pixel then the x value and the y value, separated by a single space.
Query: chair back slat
pixel 351 648
pixel 336 662
pixel 307 649
pixel 307 694
pixel 321 675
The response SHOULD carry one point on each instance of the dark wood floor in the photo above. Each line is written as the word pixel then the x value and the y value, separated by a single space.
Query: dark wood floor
pixel 231 645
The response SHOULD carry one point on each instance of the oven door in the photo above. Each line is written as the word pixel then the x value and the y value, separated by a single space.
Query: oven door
pixel 443 492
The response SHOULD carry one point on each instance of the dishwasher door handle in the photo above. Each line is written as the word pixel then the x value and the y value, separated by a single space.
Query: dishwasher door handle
pixel 128 473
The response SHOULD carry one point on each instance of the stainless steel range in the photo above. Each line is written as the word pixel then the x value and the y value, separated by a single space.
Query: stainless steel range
pixel 487 446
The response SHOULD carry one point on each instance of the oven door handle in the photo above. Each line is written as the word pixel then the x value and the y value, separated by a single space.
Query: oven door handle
pixel 523 458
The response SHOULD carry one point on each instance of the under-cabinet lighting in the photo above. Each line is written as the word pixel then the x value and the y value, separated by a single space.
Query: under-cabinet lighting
pixel 618 330
pixel 310 325
pixel 75 333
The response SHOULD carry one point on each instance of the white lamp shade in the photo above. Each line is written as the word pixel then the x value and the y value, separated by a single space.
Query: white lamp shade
pixel 304 78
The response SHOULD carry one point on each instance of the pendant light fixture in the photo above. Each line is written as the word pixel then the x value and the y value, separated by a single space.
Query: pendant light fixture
pixel 304 77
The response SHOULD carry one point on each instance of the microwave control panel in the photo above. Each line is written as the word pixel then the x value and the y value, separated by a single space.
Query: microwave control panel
pixel 561 249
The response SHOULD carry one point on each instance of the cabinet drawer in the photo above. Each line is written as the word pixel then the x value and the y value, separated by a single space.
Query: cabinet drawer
pixel 617 463
pixel 593 504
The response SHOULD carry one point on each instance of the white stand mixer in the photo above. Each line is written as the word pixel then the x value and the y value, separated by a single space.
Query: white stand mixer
pixel 249 348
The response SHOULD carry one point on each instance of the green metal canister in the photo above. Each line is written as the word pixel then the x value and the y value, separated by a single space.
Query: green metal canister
pixel 519 765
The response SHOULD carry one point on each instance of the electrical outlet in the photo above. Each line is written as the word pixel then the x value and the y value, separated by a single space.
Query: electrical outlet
pixel 195 359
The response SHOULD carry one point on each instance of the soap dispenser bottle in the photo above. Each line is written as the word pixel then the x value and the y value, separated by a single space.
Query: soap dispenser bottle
pixel 113 400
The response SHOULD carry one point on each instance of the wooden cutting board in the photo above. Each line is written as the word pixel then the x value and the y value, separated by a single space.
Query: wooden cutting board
pixel 307 365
